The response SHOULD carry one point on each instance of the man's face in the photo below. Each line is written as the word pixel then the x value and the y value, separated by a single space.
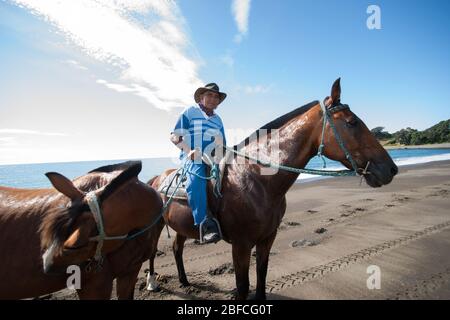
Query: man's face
pixel 210 100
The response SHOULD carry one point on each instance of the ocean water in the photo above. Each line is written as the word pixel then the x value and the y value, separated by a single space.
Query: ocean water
pixel 33 175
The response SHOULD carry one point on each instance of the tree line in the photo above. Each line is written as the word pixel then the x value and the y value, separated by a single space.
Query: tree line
pixel 438 133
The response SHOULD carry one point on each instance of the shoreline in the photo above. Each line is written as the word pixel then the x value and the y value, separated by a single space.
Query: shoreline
pixel 421 146
pixel 422 157
pixel 399 147
pixel 408 165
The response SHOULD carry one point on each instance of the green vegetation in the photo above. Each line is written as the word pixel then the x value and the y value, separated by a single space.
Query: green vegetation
pixel 380 134
pixel 438 133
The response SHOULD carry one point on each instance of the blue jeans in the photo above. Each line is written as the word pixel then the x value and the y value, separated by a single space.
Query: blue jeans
pixel 196 191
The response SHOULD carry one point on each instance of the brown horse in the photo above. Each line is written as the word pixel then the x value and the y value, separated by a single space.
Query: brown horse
pixel 253 204
pixel 32 221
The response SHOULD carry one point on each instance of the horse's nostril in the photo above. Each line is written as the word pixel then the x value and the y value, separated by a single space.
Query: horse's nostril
pixel 394 170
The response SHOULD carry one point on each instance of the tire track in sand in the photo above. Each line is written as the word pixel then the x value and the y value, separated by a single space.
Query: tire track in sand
pixel 335 265
pixel 424 287
pixel 399 198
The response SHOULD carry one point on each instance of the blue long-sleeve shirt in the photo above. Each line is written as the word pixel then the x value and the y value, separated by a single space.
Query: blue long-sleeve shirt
pixel 198 129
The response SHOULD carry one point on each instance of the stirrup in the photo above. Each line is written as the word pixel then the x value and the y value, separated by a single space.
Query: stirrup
pixel 202 241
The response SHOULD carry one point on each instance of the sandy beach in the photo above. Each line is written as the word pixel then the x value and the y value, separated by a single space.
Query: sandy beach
pixel 333 231
pixel 421 146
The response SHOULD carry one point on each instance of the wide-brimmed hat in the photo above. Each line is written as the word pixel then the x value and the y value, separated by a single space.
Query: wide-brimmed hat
pixel 209 87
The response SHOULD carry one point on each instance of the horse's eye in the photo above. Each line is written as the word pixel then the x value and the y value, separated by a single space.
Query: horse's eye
pixel 352 122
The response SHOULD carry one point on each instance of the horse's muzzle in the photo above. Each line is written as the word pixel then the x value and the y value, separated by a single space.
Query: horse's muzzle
pixel 380 174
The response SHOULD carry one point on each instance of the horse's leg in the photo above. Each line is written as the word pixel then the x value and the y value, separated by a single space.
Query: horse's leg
pixel 152 284
pixel 126 284
pixel 241 262
pixel 178 246
pixel 262 261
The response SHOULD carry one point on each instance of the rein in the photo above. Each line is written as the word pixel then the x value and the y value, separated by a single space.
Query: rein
pixel 326 118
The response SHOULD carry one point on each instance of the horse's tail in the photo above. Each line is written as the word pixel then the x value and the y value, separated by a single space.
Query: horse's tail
pixel 152 180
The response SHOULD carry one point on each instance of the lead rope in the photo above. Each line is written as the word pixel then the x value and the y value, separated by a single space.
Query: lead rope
pixel 364 172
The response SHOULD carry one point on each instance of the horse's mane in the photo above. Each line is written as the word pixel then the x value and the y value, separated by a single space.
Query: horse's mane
pixel 279 122
pixel 58 223
pixel 116 167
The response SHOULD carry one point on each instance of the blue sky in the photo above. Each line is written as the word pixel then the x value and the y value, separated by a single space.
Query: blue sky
pixel 106 79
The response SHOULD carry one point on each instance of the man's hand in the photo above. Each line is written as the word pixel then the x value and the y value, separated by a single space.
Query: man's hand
pixel 179 143
pixel 218 140
pixel 176 139
pixel 195 155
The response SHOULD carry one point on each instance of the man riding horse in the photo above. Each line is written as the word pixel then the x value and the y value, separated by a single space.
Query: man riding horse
pixel 198 131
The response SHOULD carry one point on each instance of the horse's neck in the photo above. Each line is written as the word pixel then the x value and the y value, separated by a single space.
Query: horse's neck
pixel 26 203
pixel 297 144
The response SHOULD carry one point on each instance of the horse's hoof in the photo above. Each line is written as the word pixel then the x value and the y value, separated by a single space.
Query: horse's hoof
pixel 152 287
pixel 157 289
pixel 152 284
pixel 184 284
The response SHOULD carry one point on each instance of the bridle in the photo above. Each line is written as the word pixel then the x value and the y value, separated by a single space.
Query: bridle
pixel 327 117
pixel 327 113
pixel 94 206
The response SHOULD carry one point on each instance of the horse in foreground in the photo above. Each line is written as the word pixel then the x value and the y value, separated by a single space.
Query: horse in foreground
pixel 43 231
pixel 253 204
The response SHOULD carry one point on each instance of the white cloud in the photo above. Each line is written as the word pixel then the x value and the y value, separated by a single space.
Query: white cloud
pixel 76 64
pixel 31 132
pixel 241 12
pixel 7 141
pixel 145 40
pixel 143 92
pixel 227 59
pixel 256 89
pixel 164 8
pixel 115 86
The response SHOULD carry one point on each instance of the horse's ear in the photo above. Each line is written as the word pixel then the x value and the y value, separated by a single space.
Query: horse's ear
pixel 64 185
pixel 336 91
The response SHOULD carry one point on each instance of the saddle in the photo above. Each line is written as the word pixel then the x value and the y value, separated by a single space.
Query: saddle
pixel 168 186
